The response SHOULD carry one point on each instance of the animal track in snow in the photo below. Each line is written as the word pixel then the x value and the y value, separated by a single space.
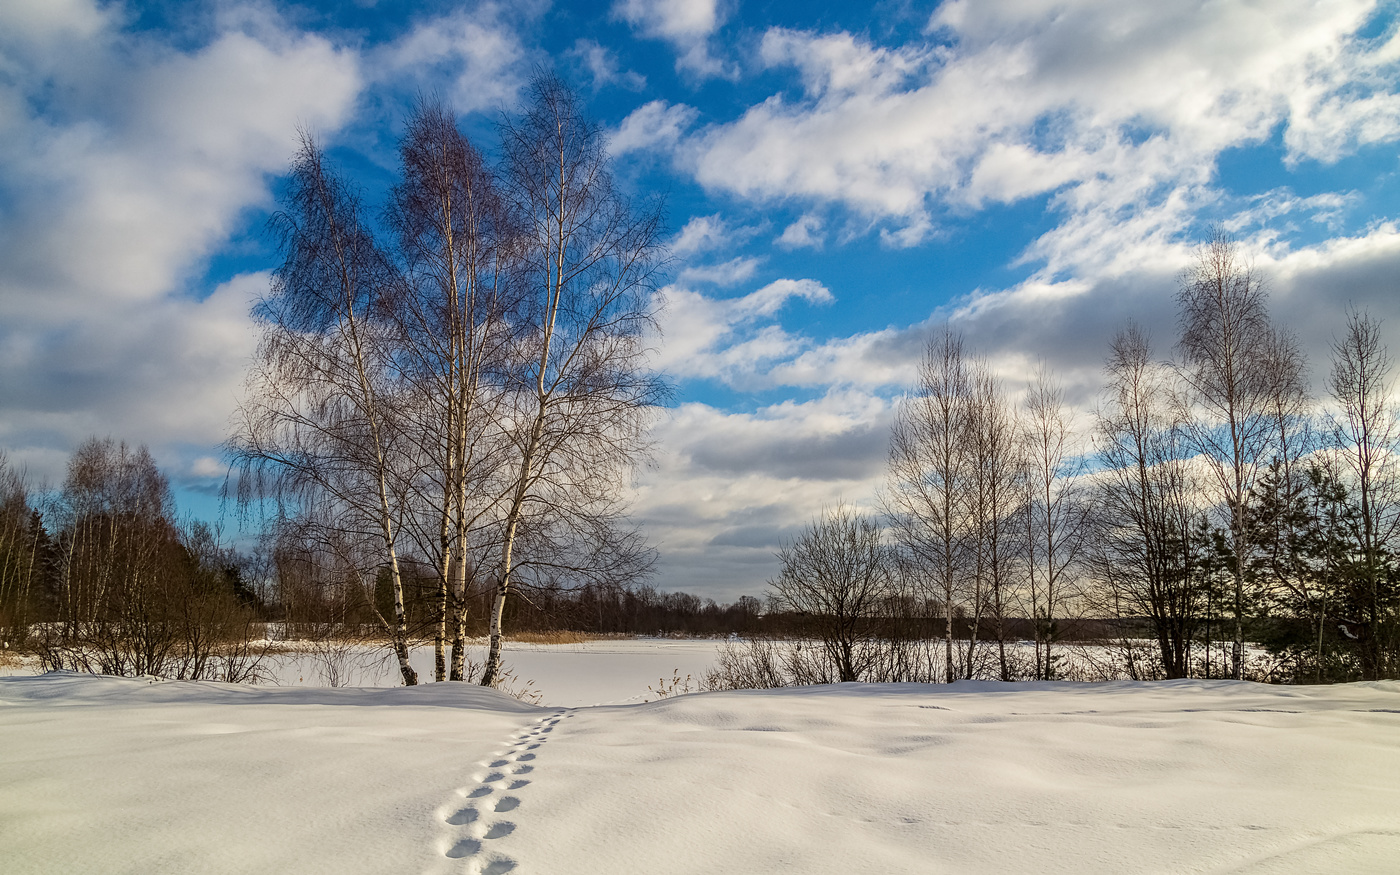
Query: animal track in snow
pixel 464 848
pixel 500 830
pixel 472 828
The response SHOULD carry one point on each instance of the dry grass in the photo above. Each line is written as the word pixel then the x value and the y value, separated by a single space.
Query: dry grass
pixel 559 636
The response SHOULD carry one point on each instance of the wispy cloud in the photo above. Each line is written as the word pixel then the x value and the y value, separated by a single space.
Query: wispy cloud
pixel 602 67
pixel 1110 107
pixel 656 126
pixel 686 24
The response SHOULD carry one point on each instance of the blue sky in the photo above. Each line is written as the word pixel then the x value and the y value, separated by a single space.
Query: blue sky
pixel 839 180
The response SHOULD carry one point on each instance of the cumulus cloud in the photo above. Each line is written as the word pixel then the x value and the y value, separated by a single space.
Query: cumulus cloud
pixel 706 234
pixel 476 50
pixel 144 160
pixel 805 233
pixel 686 24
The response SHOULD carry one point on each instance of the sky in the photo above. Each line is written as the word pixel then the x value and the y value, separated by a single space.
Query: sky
pixel 840 180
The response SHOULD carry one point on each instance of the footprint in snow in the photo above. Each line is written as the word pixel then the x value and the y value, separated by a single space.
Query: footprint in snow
pixel 472 824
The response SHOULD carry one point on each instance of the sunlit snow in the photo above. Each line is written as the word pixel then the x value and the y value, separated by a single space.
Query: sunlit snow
pixel 120 775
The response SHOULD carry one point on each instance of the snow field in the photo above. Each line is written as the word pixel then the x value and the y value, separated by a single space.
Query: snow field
pixel 981 778
pixel 117 775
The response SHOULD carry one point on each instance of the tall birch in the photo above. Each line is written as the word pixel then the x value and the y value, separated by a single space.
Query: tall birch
pixel 588 260
pixel 318 423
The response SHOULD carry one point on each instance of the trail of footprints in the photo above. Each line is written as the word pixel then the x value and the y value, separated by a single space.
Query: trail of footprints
pixel 475 818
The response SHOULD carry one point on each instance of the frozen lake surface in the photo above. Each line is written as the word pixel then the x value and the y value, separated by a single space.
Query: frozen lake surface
pixel 571 675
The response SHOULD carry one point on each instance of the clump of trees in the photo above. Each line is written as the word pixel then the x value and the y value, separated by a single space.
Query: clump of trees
pixel 1212 510
pixel 459 396
pixel 1230 509
pixel 102 578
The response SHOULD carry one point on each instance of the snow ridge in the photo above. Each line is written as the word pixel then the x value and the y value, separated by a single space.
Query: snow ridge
pixel 470 825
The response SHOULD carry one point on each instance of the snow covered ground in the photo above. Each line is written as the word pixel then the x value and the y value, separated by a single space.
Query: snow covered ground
pixel 115 775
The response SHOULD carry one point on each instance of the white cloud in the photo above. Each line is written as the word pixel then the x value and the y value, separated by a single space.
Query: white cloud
pixel 686 24
pixel 47 25
pixel 602 66
pixel 144 161
pixel 1326 208
pixel 805 233
pixel 729 488
pixel 652 127
pixel 728 273
pixel 1114 108
pixel 702 234
pixel 477 51
pixel 730 339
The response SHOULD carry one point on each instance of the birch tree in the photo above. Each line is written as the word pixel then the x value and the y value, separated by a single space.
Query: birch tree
pixel 319 423
pixel 581 393
pixel 22 543
pixel 996 496
pixel 1237 384
pixel 1054 512
pixel 930 474
pixel 452 232
pixel 1366 439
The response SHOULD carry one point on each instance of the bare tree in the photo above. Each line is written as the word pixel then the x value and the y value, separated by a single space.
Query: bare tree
pixel 1366 437
pixel 452 233
pixel 929 477
pixel 997 493
pixel 318 425
pixel 1239 379
pixel 838 574
pixel 1144 520
pixel 588 260
pixel 1055 512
